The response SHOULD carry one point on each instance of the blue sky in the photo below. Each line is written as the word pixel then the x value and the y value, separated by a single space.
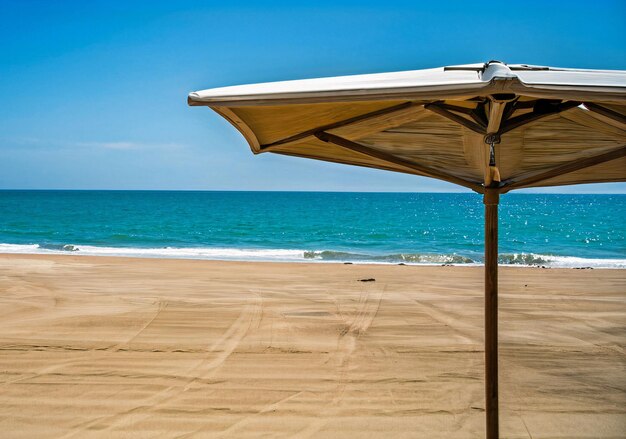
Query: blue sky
pixel 94 93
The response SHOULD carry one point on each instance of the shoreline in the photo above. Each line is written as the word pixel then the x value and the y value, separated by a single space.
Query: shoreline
pixel 144 253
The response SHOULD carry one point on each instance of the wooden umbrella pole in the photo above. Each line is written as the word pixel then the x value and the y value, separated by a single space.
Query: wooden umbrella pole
pixel 491 200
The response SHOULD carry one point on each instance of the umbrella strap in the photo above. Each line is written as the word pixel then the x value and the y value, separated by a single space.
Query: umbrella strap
pixel 492 155
pixel 494 173
pixel 491 140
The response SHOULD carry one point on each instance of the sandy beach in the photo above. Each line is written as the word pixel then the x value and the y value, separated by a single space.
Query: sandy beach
pixel 152 348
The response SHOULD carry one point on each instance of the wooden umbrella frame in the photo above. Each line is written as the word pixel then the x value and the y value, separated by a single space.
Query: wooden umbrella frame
pixel 492 116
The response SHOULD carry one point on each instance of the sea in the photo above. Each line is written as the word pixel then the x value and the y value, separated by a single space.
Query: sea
pixel 391 228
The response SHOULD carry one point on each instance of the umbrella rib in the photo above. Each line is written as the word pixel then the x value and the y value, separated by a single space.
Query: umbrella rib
pixel 567 168
pixel 338 161
pixel 596 122
pixel 606 112
pixel 311 132
pixel 389 158
pixel 523 105
pixel 476 113
pixel 524 119
pixel 444 110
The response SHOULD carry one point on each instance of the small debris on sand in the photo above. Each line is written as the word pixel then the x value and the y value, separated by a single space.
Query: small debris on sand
pixel 371 279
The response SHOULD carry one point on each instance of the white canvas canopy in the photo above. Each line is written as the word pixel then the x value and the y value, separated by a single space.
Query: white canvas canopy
pixel 443 82
pixel 489 127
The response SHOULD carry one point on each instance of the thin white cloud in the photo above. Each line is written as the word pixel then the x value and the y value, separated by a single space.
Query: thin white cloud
pixel 128 145
pixel 110 145
pixel 123 145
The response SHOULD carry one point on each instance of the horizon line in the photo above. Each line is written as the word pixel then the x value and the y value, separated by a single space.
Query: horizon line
pixel 300 191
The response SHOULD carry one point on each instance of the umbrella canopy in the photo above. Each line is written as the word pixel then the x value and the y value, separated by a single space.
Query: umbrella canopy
pixel 489 127
pixel 554 126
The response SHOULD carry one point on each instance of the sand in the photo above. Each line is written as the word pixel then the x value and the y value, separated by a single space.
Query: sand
pixel 96 347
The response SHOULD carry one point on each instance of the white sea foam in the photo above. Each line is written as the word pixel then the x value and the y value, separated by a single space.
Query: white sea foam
pixel 574 262
pixel 287 255
pixel 165 252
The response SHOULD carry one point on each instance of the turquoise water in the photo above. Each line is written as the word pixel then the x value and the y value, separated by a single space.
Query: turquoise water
pixel 556 230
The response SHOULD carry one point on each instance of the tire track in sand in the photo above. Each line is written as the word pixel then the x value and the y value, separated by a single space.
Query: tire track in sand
pixel 468 332
pixel 90 356
pixel 246 420
pixel 160 308
pixel 203 369
pixel 367 309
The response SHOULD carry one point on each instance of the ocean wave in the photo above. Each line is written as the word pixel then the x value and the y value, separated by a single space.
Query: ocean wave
pixel 410 258
pixel 61 247
pixel 289 255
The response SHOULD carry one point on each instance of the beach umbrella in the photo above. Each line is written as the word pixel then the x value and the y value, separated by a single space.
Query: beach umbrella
pixel 489 127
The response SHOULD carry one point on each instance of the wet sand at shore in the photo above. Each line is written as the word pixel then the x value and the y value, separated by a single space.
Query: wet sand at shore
pixel 101 347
